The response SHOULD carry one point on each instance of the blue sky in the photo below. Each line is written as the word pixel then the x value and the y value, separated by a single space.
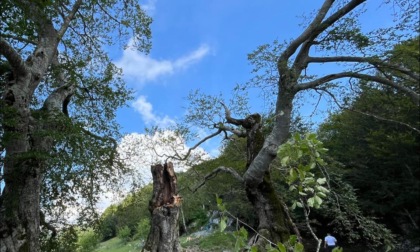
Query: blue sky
pixel 202 45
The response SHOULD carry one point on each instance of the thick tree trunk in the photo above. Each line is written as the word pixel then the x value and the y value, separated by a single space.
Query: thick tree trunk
pixel 20 201
pixel 272 221
pixel 165 208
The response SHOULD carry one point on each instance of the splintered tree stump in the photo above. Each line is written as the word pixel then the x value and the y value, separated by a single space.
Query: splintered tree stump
pixel 164 208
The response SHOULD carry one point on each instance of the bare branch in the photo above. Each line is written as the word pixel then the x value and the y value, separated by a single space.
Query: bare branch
pixel 228 117
pixel 184 157
pixel 316 28
pixel 68 19
pixel 20 39
pixel 313 84
pixel 373 61
pixel 294 45
pixel 239 133
pixel 216 171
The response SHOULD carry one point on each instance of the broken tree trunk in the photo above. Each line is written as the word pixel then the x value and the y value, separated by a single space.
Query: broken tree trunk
pixel 165 208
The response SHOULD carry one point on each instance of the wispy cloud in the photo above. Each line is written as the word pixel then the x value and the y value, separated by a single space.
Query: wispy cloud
pixel 145 109
pixel 143 68
pixel 149 6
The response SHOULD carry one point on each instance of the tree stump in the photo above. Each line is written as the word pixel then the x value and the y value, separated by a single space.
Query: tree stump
pixel 164 208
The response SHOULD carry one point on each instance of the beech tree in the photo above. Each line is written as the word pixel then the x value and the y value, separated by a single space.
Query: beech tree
pixel 333 37
pixel 60 92
pixel 382 163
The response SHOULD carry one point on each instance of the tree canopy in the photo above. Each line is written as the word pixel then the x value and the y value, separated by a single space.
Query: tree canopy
pixel 60 91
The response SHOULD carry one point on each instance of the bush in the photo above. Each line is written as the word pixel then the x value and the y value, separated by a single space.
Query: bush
pixel 143 228
pixel 124 234
pixel 88 241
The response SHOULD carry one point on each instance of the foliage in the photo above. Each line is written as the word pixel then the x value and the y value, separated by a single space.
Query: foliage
pixel 241 236
pixel 88 240
pixel 300 155
pixel 347 219
pixel 201 198
pixel 65 242
pixel 58 126
pixel 124 234
pixel 132 211
pixel 143 228
pixel 378 146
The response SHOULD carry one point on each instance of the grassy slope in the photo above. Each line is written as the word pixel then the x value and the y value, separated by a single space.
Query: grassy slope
pixel 214 242
pixel 116 245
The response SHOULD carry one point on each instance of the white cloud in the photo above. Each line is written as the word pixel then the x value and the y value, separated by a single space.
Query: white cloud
pixel 145 109
pixel 150 7
pixel 140 151
pixel 142 68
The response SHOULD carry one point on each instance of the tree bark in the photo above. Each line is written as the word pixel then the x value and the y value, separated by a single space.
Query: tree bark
pixel 165 210
pixel 272 221
pixel 26 144
pixel 268 206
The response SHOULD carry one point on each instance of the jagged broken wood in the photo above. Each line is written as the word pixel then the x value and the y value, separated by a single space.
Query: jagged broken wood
pixel 164 208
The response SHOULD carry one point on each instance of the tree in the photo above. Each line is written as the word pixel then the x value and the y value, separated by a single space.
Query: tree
pixel 333 35
pixel 58 108
pixel 379 147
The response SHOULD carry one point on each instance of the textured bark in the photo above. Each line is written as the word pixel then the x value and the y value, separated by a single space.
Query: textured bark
pixel 269 208
pixel 26 144
pixel 272 221
pixel 165 210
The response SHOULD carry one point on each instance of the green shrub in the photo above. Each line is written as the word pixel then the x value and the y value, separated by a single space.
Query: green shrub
pixel 88 240
pixel 217 240
pixel 124 234
pixel 143 228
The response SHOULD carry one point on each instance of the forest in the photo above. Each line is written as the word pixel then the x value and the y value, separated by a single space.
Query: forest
pixel 280 182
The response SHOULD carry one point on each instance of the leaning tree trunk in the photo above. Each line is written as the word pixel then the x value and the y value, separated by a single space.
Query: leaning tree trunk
pixel 165 209
pixel 273 223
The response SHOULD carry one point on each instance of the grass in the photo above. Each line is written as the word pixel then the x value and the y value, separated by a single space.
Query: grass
pixel 116 245
pixel 214 242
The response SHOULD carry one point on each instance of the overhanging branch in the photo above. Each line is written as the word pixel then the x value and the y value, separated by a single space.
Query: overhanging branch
pixel 384 81
pixel 13 57
pixel 370 60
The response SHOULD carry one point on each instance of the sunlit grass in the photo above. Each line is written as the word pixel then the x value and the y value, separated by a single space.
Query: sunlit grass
pixel 116 245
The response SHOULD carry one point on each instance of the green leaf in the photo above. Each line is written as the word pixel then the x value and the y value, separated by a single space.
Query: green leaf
pixel 321 181
pixel 254 249
pixel 311 202
pixel 222 225
pixel 298 247
pixel 312 165
pixel 292 239
pixel 317 200
pixel 322 189
pixel 300 153
pixel 321 194
pixel 285 160
pixel 218 200
pixel 281 247
pixel 293 175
